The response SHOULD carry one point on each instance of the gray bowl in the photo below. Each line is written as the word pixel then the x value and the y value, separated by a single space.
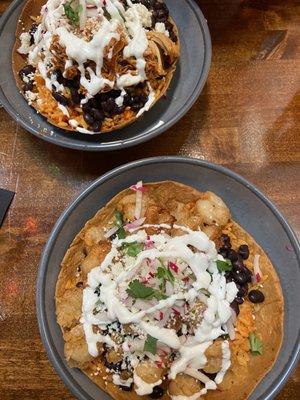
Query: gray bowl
pixel 187 83
pixel 249 207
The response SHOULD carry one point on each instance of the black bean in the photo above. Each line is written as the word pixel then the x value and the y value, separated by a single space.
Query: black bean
pixel 75 96
pixel 113 367
pixel 244 251
pixel 239 276
pixel 158 392
pixel 238 264
pixel 239 300
pixel 223 251
pixel 235 306
pixel 97 114
pixel 60 78
pixel 60 98
pixel 114 93
pixel 243 290
pixel 109 105
pixel 79 284
pixel 226 240
pixel 32 31
pixel 29 69
pixel 256 296
pixel 89 119
pixel 126 388
pixel 28 86
pixel 249 273
pixel 136 106
pixel 232 255
pixel 96 127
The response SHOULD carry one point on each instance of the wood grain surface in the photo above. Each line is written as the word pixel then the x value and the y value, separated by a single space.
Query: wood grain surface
pixel 247 118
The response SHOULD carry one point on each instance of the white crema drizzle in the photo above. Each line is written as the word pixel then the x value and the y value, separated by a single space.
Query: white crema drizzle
pixel 202 262
pixel 134 21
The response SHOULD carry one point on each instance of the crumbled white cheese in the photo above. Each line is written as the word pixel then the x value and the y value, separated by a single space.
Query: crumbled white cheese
pixel 30 96
pixel 161 27
pixel 25 43
pixel 142 12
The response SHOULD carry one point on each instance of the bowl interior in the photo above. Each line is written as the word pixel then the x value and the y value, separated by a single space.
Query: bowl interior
pixel 185 87
pixel 249 208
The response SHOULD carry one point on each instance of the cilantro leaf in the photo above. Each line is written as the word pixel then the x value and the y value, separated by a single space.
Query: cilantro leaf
pixel 159 295
pixel 164 274
pixel 224 266
pixel 205 292
pixel 256 345
pixel 138 290
pixel 132 249
pixel 150 344
pixel 119 223
pixel 72 13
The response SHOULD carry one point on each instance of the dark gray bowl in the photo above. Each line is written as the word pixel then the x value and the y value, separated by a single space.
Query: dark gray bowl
pixel 249 207
pixel 187 83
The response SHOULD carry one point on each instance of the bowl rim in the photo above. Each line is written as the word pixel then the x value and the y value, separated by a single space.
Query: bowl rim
pixel 140 138
pixel 53 355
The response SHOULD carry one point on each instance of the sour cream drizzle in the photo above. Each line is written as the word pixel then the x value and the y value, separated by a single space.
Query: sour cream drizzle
pixel 203 265
pixel 133 21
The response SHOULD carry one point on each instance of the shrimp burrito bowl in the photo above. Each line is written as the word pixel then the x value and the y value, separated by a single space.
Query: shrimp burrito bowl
pixel 163 295
pixel 94 66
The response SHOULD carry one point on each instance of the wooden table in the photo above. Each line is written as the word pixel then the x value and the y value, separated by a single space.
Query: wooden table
pixel 247 118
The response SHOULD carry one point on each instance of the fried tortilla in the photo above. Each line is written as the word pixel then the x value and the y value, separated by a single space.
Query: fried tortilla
pixel 92 66
pixel 163 294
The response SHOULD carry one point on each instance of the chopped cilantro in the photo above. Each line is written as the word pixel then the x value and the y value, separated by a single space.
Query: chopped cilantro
pixel 97 290
pixel 164 274
pixel 119 223
pixel 150 344
pixel 205 292
pixel 138 290
pixel 72 12
pixel 256 345
pixel 225 336
pixel 224 266
pixel 132 249
pixel 98 303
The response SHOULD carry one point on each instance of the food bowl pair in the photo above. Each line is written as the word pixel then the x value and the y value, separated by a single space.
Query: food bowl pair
pixel 187 83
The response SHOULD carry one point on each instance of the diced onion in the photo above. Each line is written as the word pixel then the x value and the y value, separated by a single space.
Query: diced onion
pixel 135 224
pixel 197 375
pixel 138 187
pixel 230 329
pixel 138 205
pixel 233 316
pixel 110 232
pixel 257 275
pixel 173 267
pixel 82 14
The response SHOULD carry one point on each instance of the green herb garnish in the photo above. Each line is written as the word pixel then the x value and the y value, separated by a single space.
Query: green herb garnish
pixel 72 12
pixel 132 249
pixel 97 290
pixel 224 266
pixel 150 344
pixel 138 290
pixel 205 292
pixel 119 223
pixel 256 345
pixel 165 275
